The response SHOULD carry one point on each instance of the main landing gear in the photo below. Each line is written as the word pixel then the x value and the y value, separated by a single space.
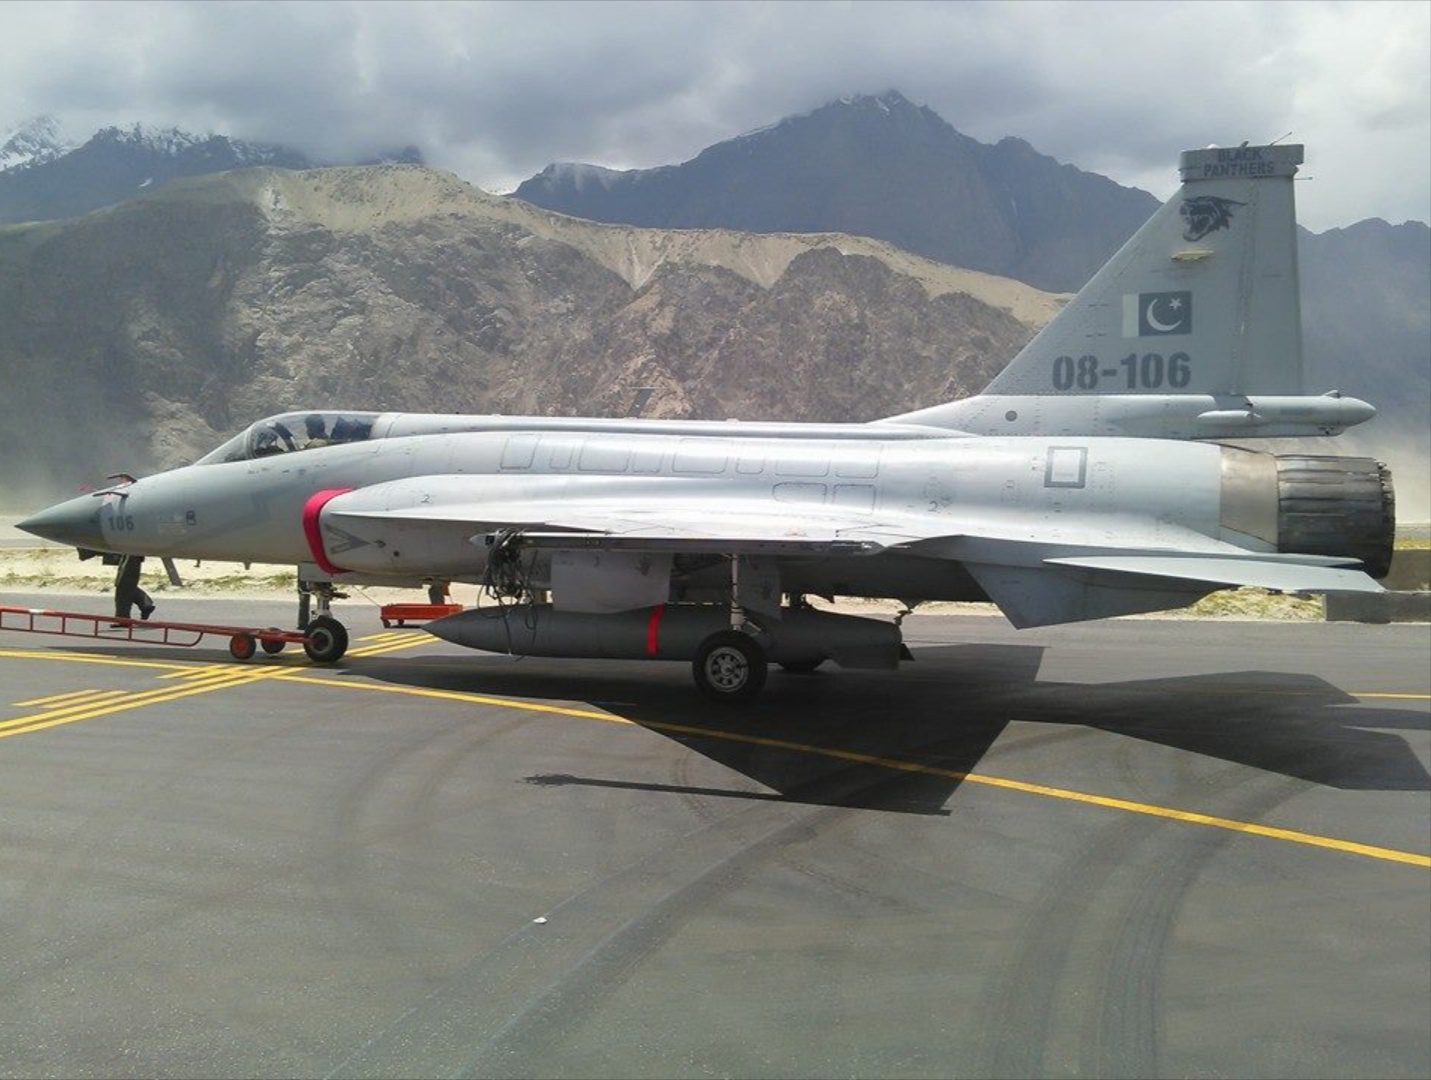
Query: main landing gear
pixel 327 638
pixel 730 665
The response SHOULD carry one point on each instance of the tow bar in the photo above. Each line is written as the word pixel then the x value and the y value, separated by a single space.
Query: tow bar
pixel 244 641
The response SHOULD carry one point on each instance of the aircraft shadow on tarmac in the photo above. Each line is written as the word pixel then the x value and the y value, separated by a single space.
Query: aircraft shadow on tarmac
pixel 832 737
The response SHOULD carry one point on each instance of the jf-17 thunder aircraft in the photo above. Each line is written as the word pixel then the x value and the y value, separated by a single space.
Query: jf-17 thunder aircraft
pixel 1086 481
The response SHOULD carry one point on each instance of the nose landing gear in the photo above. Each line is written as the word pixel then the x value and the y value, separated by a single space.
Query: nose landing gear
pixel 327 638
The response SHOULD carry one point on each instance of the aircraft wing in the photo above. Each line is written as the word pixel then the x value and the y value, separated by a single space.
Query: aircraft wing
pixel 1036 572
pixel 614 553
pixel 726 526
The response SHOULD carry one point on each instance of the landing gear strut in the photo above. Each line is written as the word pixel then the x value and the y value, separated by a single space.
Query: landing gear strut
pixel 327 637
pixel 730 665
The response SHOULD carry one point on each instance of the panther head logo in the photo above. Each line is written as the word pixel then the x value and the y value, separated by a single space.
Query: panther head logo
pixel 1203 214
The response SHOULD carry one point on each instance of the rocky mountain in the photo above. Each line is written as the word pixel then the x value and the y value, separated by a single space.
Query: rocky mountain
pixel 1366 324
pixel 881 167
pixel 44 178
pixel 140 336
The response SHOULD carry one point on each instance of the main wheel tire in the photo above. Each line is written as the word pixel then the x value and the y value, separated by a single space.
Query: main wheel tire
pixel 729 667
pixel 327 640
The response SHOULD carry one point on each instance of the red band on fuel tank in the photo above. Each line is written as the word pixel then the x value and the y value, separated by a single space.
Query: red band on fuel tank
pixel 653 627
pixel 311 532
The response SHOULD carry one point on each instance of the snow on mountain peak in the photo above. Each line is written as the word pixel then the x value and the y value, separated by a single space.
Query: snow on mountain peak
pixel 167 141
pixel 889 102
pixel 34 142
pixel 172 142
pixel 580 176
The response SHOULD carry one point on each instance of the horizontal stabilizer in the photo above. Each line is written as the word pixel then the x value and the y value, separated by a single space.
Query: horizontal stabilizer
pixel 1281 575
pixel 1073 588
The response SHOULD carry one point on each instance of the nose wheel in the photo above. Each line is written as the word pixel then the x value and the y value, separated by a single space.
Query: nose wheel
pixel 327 640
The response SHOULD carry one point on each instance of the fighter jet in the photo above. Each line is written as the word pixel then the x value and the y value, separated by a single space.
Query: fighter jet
pixel 1092 478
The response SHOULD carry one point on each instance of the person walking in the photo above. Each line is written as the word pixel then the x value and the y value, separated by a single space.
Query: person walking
pixel 127 591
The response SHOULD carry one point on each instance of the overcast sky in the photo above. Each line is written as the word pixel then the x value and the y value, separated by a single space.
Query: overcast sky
pixel 496 91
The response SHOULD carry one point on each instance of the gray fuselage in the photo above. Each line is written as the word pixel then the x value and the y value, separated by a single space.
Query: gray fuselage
pixel 1046 491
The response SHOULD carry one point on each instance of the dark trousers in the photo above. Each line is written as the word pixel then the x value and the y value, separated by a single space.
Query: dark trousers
pixel 127 592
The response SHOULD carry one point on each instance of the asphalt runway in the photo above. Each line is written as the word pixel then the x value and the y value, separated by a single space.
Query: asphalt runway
pixel 1137 848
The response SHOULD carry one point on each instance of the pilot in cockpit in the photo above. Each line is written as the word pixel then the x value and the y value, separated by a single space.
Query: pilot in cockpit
pixel 317 431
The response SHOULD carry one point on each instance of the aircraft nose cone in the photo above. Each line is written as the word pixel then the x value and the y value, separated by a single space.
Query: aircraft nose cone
pixel 74 522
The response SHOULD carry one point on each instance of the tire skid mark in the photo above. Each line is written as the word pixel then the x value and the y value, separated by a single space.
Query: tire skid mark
pixel 546 979
pixel 349 841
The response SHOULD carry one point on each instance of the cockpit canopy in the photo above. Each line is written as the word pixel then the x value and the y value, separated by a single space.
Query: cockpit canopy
pixel 294 431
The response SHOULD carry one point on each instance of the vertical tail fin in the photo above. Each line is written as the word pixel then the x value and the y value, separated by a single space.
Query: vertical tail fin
pixel 1191 330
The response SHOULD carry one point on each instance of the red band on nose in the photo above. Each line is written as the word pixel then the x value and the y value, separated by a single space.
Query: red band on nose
pixel 313 534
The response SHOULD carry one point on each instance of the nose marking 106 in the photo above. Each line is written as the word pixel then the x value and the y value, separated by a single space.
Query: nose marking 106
pixel 109 521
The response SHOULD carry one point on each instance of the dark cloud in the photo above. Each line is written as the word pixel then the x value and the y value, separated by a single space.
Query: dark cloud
pixel 495 91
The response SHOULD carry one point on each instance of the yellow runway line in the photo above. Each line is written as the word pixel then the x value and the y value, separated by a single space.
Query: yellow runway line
pixel 79 705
